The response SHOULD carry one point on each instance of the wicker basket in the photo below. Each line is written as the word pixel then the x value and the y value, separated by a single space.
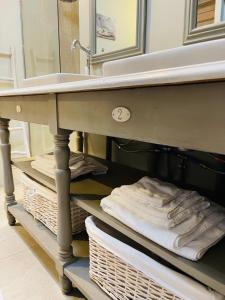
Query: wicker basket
pixel 120 280
pixel 42 204
pixel 123 272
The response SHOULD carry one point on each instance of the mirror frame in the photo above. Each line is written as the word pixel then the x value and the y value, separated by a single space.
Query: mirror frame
pixel 137 49
pixel 200 34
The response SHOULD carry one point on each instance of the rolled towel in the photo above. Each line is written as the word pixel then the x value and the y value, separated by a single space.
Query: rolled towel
pixel 171 239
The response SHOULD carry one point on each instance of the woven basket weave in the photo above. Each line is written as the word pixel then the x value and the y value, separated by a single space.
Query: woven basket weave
pixel 42 204
pixel 120 280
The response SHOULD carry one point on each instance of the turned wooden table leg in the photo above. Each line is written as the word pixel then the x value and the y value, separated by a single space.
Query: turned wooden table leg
pixel 79 141
pixel 64 235
pixel 7 169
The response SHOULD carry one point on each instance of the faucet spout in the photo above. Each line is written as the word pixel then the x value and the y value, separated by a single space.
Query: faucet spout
pixel 77 44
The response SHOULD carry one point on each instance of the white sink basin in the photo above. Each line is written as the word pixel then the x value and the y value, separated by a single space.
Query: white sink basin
pixel 183 56
pixel 56 78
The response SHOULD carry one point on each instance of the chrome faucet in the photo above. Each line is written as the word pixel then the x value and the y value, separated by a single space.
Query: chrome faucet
pixel 77 44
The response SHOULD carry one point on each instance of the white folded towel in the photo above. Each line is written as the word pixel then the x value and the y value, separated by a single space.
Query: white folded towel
pixel 144 194
pixel 168 238
pixel 169 223
pixel 184 199
pixel 79 165
pixel 191 203
pixel 197 248
pixel 179 235
pixel 179 284
pixel 153 191
pixel 212 220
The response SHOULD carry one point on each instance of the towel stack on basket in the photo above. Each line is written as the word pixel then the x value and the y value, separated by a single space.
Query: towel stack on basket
pixel 125 273
pixel 41 202
pixel 79 165
pixel 180 220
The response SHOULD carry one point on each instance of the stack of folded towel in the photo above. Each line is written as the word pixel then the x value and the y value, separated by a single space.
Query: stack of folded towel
pixel 180 220
pixel 79 165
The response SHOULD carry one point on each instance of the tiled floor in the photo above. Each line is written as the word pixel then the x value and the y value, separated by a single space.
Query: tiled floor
pixel 26 272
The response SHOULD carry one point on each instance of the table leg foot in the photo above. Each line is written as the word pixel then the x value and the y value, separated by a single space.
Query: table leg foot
pixel 11 219
pixel 65 284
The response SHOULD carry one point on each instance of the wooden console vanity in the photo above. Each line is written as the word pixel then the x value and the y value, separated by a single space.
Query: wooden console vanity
pixel 184 109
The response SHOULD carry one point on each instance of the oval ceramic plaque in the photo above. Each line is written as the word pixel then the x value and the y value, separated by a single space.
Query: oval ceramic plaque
pixel 121 114
pixel 18 109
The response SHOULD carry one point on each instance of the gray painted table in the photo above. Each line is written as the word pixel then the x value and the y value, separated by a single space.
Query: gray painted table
pixel 185 114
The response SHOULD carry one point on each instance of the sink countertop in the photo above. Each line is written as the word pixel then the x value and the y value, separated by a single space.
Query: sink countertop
pixel 55 78
pixel 213 71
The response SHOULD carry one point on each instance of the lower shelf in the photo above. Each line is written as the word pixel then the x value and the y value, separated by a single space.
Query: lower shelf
pixel 44 237
pixel 78 273
pixel 210 270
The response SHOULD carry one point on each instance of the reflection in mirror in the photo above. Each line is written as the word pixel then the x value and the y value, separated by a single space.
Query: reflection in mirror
pixel 41 43
pixel 209 12
pixel 205 12
pixel 115 25
pixel 117 28
pixel 205 20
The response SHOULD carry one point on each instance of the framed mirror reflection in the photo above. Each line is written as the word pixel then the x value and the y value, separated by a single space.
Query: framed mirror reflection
pixel 40 37
pixel 117 29
pixel 205 20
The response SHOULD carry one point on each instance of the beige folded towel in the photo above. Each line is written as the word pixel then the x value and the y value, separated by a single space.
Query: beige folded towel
pixel 171 214
pixel 174 237
pixel 153 192
pixel 79 165
pixel 48 160
pixel 162 220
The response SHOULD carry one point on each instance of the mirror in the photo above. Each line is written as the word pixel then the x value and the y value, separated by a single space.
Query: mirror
pixel 117 29
pixel 40 37
pixel 205 20
pixel 209 12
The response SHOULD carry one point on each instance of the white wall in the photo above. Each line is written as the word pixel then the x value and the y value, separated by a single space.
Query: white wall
pixel 165 24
